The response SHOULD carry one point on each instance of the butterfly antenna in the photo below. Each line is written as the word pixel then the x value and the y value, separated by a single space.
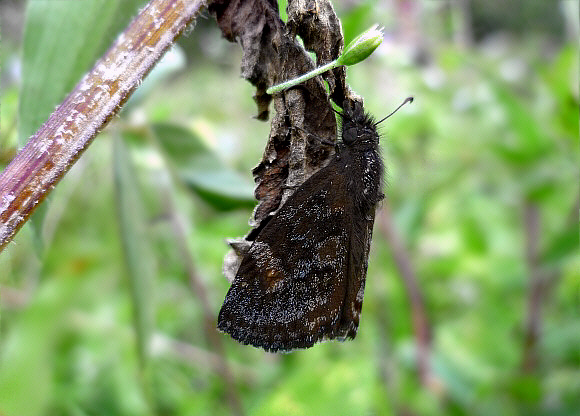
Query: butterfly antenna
pixel 407 100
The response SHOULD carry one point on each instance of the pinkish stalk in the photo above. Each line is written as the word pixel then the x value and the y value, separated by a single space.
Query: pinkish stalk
pixel 60 141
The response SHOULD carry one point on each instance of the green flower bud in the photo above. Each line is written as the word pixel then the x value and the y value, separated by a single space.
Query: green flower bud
pixel 361 47
pixel 358 50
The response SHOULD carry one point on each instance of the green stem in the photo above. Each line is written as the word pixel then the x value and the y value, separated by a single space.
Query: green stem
pixel 302 78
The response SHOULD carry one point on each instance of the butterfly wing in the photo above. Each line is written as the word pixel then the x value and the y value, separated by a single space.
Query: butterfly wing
pixel 302 281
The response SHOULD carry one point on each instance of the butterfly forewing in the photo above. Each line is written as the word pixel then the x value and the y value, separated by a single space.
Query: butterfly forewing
pixel 290 289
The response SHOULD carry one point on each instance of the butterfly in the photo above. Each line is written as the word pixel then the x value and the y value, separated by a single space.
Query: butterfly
pixel 302 280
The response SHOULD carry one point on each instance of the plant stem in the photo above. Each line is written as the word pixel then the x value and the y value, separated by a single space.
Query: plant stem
pixel 60 141
pixel 302 78
pixel 536 287
pixel 419 316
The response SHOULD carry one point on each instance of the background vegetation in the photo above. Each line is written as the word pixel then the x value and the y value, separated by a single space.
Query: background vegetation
pixel 109 297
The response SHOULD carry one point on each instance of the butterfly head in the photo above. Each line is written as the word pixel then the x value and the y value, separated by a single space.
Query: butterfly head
pixel 360 127
pixel 357 126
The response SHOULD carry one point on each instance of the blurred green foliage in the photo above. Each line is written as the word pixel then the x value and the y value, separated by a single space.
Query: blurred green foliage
pixel 105 316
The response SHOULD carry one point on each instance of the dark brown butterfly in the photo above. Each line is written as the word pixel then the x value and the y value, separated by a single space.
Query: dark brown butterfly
pixel 303 278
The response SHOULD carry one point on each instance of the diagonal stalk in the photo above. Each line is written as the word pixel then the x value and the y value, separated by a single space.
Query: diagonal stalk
pixel 60 141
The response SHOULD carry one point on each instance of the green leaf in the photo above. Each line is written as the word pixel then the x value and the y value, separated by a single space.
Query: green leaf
pixel 525 142
pixel 474 235
pixel 28 349
pixel 561 75
pixel 136 247
pixel 563 246
pixel 200 169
